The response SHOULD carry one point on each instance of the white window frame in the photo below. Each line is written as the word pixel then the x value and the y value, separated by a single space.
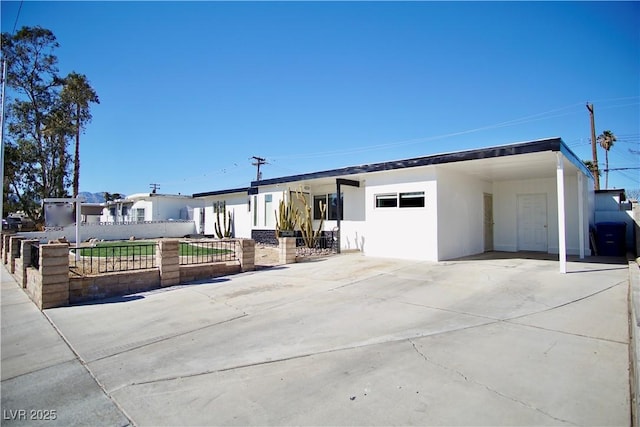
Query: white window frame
pixel 399 198
pixel 140 213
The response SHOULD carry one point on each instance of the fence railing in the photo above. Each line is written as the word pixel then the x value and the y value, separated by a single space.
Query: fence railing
pixel 107 258
pixel 325 244
pixel 207 251
pixel 35 254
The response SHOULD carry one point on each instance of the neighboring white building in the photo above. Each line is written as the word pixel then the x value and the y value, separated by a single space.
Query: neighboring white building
pixel 531 196
pixel 237 204
pixel 146 207
pixel 612 206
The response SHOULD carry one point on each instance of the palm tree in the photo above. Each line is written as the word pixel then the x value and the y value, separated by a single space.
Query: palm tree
pixel 76 95
pixel 590 165
pixel 606 140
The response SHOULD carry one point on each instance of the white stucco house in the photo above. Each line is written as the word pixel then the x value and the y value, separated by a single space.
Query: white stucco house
pixel 529 196
pixel 237 204
pixel 146 207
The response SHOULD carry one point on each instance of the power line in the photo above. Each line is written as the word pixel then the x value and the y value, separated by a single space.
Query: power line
pixel 521 120
pixel 15 23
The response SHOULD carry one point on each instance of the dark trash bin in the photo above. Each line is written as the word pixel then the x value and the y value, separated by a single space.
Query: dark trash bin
pixel 611 238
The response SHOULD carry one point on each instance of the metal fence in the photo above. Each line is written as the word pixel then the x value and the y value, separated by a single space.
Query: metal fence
pixel 326 244
pixel 107 258
pixel 207 251
pixel 35 255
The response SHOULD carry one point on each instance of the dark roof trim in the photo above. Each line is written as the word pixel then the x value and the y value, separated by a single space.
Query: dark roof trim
pixel 221 192
pixel 551 144
pixel 610 190
pixel 571 156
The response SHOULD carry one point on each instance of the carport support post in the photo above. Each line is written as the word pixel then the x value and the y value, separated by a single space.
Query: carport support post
pixel 562 238
pixel 581 227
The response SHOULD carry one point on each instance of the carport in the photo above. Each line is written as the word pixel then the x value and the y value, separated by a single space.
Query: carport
pixel 521 177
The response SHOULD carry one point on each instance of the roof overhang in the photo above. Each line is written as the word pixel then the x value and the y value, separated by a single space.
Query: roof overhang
pixel 242 190
pixel 524 160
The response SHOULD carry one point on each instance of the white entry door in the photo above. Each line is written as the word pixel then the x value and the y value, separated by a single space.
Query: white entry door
pixel 532 222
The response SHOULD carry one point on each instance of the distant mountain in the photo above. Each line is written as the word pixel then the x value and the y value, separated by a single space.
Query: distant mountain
pixel 94 197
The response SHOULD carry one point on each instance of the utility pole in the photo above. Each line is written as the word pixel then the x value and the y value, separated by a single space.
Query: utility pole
pixel 4 80
pixel 154 188
pixel 258 162
pixel 594 151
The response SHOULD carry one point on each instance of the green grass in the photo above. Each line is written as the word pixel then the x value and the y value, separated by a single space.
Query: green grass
pixel 142 248
pixel 187 249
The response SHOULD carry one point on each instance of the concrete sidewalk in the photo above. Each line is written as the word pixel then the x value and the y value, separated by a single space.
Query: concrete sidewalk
pixel 348 340
pixel 43 382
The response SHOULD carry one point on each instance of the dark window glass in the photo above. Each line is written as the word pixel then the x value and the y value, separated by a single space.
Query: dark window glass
pixel 386 200
pixel 412 200
pixel 317 200
pixel 332 209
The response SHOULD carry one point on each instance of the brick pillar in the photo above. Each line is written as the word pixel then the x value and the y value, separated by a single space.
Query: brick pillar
pixel 6 238
pixel 247 254
pixel 287 250
pixel 25 260
pixel 168 259
pixel 54 267
pixel 14 252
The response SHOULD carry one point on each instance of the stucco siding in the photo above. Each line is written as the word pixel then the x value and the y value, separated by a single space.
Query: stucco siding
pixel 460 214
pixel 409 233
pixel 236 204
pixel 506 216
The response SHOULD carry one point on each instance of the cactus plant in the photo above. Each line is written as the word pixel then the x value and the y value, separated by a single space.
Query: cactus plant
pixel 286 216
pixel 309 235
pixel 222 233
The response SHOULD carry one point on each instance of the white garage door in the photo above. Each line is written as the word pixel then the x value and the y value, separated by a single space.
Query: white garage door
pixel 532 222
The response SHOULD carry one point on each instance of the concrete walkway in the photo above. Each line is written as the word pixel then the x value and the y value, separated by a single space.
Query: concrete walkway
pixel 348 340
pixel 43 381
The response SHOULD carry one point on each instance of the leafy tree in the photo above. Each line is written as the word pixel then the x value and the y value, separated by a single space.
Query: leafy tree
pixel 76 95
pixel 32 73
pixel 10 202
pixel 46 112
pixel 110 197
pixel 606 140
pixel 591 166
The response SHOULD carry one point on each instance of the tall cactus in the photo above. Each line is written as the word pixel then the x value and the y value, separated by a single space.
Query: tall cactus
pixel 286 216
pixel 222 233
pixel 309 235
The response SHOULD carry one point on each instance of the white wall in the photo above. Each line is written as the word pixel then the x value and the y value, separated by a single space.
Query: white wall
pixel 409 233
pixel 266 219
pixel 147 205
pixel 353 225
pixel 505 195
pixel 236 204
pixel 165 208
pixel 460 214
pixel 118 231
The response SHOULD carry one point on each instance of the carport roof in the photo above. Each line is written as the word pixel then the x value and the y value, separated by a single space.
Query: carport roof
pixel 549 145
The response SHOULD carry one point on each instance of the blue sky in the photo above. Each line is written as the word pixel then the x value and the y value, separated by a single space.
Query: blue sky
pixel 189 91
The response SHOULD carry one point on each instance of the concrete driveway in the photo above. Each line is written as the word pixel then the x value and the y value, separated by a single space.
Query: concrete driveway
pixel 352 340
